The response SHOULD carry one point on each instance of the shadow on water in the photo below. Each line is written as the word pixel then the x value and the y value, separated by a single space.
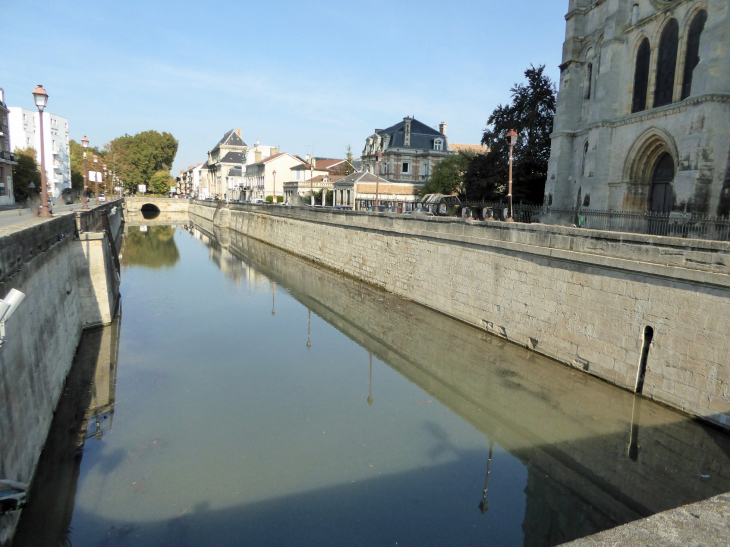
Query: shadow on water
pixel 595 456
pixel 84 413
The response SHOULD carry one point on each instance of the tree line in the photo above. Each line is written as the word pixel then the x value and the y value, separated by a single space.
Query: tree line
pixel 476 177
pixel 145 158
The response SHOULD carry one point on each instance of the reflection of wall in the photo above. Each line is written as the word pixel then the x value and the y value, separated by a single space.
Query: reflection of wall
pixel 90 389
pixel 571 430
pixel 584 297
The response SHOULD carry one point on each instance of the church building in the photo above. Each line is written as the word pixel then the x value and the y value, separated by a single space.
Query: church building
pixel 643 108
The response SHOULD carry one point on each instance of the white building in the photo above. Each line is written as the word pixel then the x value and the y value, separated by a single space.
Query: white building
pixel 25 131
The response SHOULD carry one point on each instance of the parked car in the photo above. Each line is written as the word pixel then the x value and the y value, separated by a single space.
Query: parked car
pixel 258 201
pixel 341 208
pixel 102 198
pixel 380 209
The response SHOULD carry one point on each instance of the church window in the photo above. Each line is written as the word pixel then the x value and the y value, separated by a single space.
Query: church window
pixel 585 154
pixel 641 76
pixel 589 81
pixel 667 64
pixel 635 14
pixel 692 58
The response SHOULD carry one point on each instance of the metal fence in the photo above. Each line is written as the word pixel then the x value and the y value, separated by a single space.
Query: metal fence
pixel 686 225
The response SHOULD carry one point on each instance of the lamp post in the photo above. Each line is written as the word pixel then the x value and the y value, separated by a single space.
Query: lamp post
pixel 377 182
pixel 41 100
pixel 311 184
pixel 106 191
pixel 512 139
pixel 85 195
pixel 273 199
pixel 96 180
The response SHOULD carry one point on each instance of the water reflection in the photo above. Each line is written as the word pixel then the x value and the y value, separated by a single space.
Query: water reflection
pixel 578 437
pixel 150 246
pixel 228 431
pixel 85 411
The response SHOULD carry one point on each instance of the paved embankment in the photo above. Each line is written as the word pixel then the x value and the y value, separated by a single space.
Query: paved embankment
pixel 594 300
pixel 703 524
pixel 67 268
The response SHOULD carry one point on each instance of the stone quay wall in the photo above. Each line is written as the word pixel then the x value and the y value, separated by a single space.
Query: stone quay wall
pixel 582 297
pixel 66 268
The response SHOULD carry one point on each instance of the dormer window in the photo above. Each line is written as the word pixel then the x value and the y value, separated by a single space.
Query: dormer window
pixel 438 144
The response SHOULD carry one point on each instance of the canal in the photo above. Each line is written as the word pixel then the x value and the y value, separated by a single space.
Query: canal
pixel 246 397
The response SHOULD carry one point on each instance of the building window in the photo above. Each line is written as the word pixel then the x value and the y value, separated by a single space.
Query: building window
pixel 641 76
pixel 589 81
pixel 635 14
pixel 692 59
pixel 584 165
pixel 406 168
pixel 667 64
pixel 438 145
pixel 299 174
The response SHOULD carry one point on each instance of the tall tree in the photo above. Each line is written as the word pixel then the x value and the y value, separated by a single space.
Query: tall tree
pixel 26 172
pixel 349 169
pixel 531 114
pixel 139 157
pixel 447 176
pixel 77 162
pixel 160 182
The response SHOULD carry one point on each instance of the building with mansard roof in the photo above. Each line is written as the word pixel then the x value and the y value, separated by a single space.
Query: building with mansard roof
pixel 643 107
pixel 409 149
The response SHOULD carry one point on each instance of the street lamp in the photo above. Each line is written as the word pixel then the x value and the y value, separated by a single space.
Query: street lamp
pixel 311 183
pixel 41 100
pixel 96 180
pixel 103 166
pixel 85 196
pixel 273 201
pixel 377 182
pixel 512 139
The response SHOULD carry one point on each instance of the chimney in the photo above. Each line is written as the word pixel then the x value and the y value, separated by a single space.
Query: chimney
pixel 442 128
pixel 314 162
pixel 309 159
pixel 407 130
pixel 238 132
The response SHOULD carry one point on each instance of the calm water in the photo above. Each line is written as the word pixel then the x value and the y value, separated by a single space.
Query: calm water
pixel 245 397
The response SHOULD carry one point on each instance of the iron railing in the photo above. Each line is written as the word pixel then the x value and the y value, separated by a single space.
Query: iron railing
pixel 685 225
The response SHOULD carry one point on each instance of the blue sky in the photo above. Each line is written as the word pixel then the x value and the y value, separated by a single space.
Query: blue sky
pixel 304 76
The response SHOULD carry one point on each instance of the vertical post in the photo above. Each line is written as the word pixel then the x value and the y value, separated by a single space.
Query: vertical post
pixel 273 199
pixel 311 184
pixel 85 195
pixel 43 211
pixel 96 179
pixel 377 183
pixel 512 136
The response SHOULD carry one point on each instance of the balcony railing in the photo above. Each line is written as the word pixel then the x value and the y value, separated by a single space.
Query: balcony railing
pixel 684 225
pixel 7 156
pixel 4 130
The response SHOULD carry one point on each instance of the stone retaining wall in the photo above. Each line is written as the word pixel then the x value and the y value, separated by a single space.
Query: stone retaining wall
pixel 71 283
pixel 582 297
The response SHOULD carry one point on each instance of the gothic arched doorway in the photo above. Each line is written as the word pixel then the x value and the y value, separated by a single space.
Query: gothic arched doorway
pixel 662 195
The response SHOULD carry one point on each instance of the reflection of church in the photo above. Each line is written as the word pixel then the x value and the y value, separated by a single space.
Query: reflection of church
pixel 642 115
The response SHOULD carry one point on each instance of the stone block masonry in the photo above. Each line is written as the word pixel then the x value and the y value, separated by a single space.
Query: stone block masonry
pixel 582 297
pixel 66 269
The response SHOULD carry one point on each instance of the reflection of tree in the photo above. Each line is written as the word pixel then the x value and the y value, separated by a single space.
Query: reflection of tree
pixel 154 248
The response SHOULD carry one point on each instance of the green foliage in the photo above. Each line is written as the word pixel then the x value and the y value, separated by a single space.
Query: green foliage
pixel 160 183
pixel 279 199
pixel 531 114
pixel 349 169
pixel 140 157
pixel 447 176
pixel 154 248
pixel 27 171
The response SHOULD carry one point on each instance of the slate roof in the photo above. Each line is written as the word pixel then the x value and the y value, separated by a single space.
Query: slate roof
pixel 231 157
pixel 360 176
pixel 231 139
pixel 422 136
pixel 326 163
pixel 234 172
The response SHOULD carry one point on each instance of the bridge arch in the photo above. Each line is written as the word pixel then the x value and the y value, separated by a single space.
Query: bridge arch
pixel 150 211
